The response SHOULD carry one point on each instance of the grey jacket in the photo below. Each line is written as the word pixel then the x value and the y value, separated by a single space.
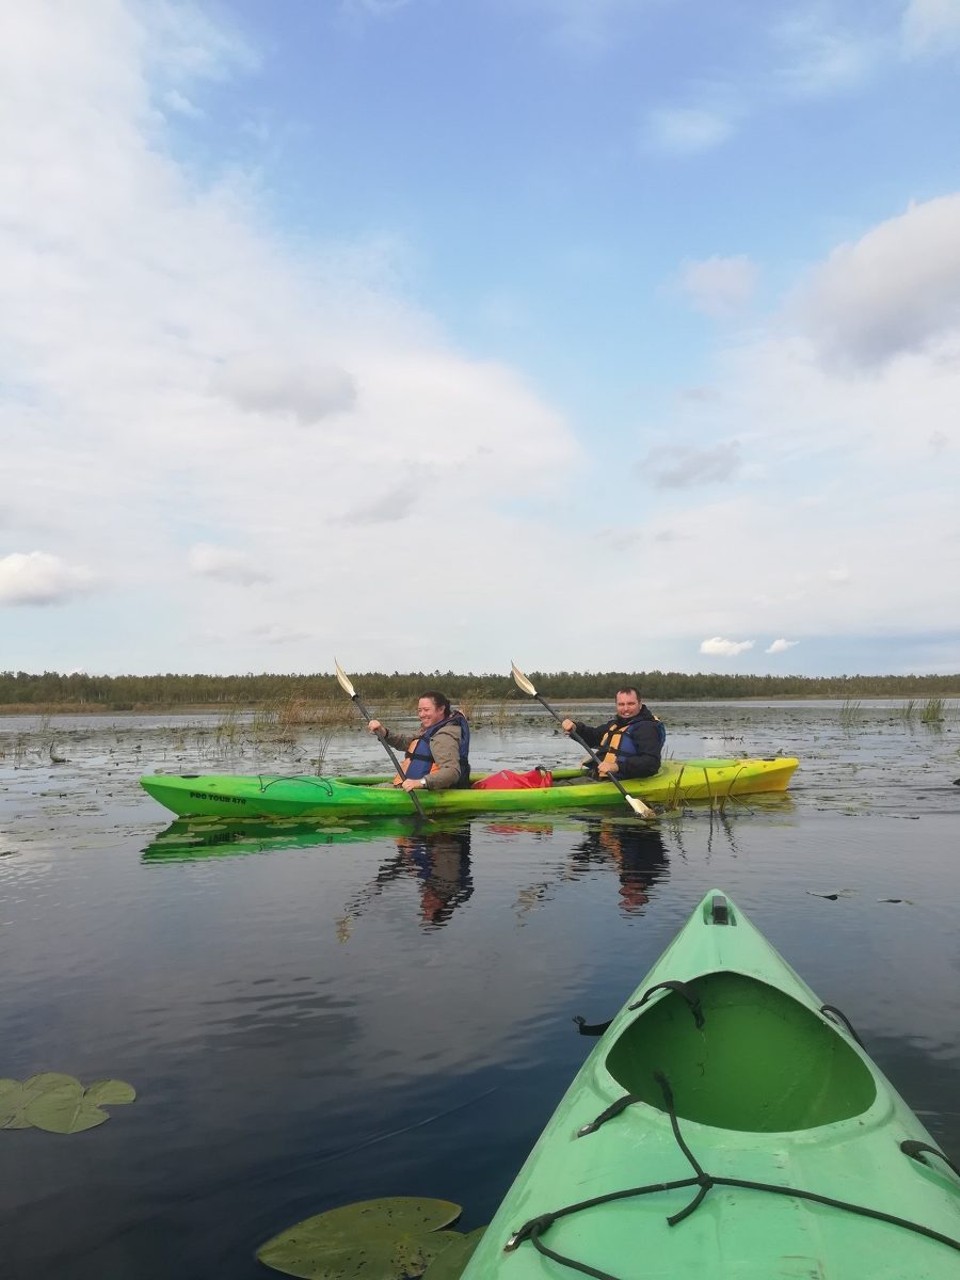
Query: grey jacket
pixel 445 749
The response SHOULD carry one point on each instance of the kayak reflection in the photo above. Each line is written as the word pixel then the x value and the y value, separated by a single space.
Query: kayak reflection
pixel 635 849
pixel 438 858
pixel 193 839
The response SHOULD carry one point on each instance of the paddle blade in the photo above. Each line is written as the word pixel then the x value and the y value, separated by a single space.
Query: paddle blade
pixel 343 680
pixel 521 680
pixel 639 808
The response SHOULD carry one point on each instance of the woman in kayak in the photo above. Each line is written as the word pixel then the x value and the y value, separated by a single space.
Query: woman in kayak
pixel 437 758
pixel 629 745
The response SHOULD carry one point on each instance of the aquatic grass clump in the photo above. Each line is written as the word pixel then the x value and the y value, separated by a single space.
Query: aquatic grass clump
pixel 850 714
pixel 932 713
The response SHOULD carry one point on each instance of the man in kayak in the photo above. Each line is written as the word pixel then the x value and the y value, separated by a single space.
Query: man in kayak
pixel 437 758
pixel 629 745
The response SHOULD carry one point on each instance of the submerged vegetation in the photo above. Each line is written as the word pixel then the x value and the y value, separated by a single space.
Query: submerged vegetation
pixel 297 700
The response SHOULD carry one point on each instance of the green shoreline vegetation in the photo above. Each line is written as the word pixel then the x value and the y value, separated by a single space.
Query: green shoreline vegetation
pixel 317 695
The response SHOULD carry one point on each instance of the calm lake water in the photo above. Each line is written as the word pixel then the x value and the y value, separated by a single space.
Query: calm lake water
pixel 314 1017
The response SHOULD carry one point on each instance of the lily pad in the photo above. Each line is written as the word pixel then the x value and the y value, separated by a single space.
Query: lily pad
pixel 59 1103
pixel 62 1110
pixel 451 1264
pixel 11 1104
pixel 110 1093
pixel 389 1239
pixel 16 1098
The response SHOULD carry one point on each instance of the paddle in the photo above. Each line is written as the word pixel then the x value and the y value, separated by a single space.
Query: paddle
pixel 344 682
pixel 639 808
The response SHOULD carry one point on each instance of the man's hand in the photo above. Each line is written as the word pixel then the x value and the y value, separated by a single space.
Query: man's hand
pixel 411 784
pixel 606 769
pixel 376 727
pixel 567 726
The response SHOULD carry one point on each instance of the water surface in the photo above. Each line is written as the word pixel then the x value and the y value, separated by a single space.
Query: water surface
pixel 314 1016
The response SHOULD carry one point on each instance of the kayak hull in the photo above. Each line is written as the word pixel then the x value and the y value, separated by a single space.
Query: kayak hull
pixel 273 796
pixel 771 1096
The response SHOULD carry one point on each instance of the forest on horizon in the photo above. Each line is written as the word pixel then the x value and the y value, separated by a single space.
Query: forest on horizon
pixel 78 691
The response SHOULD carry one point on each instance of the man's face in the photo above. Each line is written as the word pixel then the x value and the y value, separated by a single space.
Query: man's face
pixel 628 704
pixel 429 714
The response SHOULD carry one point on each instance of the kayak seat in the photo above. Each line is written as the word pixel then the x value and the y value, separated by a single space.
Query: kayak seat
pixel 761 1063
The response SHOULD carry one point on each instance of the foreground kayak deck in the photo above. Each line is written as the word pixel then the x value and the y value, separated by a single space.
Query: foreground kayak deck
pixel 271 795
pixel 722 1090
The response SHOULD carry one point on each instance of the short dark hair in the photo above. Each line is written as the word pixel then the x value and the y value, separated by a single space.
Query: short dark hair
pixel 439 700
pixel 630 688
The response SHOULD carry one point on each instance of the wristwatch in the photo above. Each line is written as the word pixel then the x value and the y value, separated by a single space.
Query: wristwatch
pixel 423 782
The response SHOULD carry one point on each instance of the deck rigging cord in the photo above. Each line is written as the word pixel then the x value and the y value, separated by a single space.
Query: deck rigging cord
pixel 535 1228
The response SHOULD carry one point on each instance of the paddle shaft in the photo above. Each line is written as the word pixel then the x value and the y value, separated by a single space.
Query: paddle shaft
pixel 633 801
pixel 355 699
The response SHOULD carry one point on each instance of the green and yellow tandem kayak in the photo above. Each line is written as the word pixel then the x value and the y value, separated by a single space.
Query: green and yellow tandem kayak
pixel 274 796
pixel 729 1125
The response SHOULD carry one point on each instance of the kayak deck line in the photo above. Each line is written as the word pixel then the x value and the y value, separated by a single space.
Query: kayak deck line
pixel 264 796
pixel 766 1140
pixel 535 1229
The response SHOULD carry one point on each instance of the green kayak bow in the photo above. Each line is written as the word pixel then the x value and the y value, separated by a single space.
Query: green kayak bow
pixel 730 1125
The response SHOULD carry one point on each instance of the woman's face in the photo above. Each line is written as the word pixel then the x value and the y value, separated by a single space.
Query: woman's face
pixel 429 713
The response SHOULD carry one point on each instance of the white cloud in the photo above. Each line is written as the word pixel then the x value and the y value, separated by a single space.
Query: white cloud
pixel 781 646
pixel 38 578
pixel 821 57
pixel 273 634
pixel 172 351
pixel 686 130
pixel 894 291
pixel 225 564
pixel 931 27
pixel 388 507
pixel 719 286
pixel 586 27
pixel 180 104
pixel 679 467
pixel 375 7
pixel 718 647
pixel 272 384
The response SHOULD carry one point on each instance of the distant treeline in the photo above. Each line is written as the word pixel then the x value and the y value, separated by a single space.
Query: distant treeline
pixel 119 693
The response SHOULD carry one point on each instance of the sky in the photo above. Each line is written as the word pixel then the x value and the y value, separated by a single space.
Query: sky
pixel 431 335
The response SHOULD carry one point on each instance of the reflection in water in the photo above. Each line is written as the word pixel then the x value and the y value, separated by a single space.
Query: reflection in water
pixel 438 860
pixel 194 839
pixel 635 849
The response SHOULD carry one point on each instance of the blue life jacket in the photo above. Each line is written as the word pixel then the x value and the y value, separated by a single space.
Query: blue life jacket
pixel 418 760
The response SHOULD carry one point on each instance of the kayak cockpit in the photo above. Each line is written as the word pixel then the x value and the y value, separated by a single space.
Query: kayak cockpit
pixel 761 1062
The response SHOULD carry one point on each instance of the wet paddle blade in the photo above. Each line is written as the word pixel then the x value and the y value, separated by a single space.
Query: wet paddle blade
pixel 521 681
pixel 639 808
pixel 344 680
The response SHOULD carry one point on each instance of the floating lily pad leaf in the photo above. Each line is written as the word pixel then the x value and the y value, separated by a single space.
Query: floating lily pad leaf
pixel 59 1103
pixel 11 1105
pixel 451 1264
pixel 109 1093
pixel 63 1110
pixel 388 1239
pixel 16 1098
pixel 382 1257
pixel 47 1080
